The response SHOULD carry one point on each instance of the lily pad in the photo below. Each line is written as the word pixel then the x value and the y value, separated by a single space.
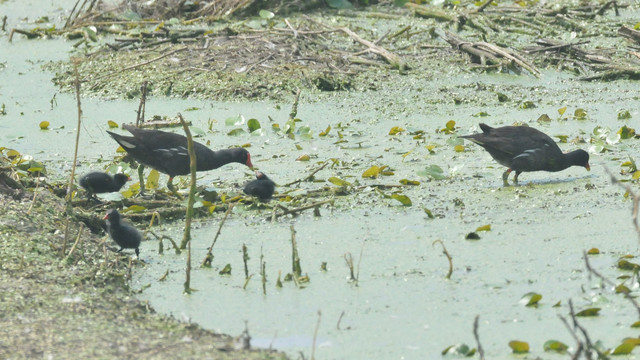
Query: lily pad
pixel 433 171
pixel 519 347
pixel 555 345
pixel 44 125
pixel 403 199
pixel 588 312
pixel 531 299
pixel 337 181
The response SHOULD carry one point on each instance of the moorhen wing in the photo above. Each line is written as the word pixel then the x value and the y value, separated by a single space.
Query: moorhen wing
pixel 167 152
pixel 122 233
pixel 522 148
pixel 262 187
pixel 99 182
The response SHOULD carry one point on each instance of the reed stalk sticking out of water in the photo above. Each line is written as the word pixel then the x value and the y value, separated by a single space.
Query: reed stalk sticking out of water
pixel 186 240
pixel 209 257
pixel 446 253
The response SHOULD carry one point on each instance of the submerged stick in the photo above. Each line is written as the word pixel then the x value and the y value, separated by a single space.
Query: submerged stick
pixel 207 259
pixel 475 335
pixel 444 250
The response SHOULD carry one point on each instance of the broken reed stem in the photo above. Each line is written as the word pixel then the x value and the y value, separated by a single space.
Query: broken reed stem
pixel 75 244
pixel 294 107
pixel 340 320
pixel 76 83
pixel 245 258
pixel 349 260
pixel 634 196
pixel 589 345
pixel 315 336
pixel 209 257
pixel 142 105
pixel 295 259
pixel 444 250
pixel 475 335
pixel 187 281
pixel 609 282
pixel 192 190
pixel 263 272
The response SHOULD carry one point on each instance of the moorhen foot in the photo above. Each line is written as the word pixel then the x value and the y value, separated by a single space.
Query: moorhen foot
pixel 523 149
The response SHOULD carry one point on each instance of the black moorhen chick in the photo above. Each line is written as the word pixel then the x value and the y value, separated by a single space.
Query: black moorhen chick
pixel 167 152
pixel 262 187
pixel 522 148
pixel 122 233
pixel 99 182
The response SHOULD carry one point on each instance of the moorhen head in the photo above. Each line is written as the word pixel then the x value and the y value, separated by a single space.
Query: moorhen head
pixel 167 152
pixel 125 235
pixel 262 187
pixel 99 182
pixel 523 149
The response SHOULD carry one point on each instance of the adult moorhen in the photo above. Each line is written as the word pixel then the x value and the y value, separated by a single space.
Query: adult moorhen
pixel 167 152
pixel 99 182
pixel 123 234
pixel 262 187
pixel 522 148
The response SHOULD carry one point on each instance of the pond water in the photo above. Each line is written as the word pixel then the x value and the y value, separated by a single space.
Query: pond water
pixel 403 306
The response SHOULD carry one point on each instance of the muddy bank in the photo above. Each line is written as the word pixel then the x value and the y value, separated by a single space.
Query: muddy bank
pixel 79 305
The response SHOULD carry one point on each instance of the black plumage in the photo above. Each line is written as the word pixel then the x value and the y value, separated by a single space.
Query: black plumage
pixel 125 235
pixel 99 182
pixel 524 149
pixel 262 187
pixel 168 153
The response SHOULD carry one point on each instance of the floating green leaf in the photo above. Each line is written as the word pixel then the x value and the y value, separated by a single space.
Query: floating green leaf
pixel 627 265
pixel 152 179
pixel 555 345
pixel 502 97
pixel 253 125
pixel 531 299
pixel 460 350
pixel 428 212
pixel 234 120
pixel 459 148
pixel 325 132
pixel 562 110
pixel 236 132
pixel 44 125
pixel 409 182
pixel 626 132
pixel 134 209
pixel 544 118
pixel 580 114
pixel 636 324
pixel 433 171
pixel 303 157
pixel 112 124
pixel 484 228
pixel 450 127
pixel 622 289
pixel 396 130
pixel 624 115
pixel 266 14
pixel 624 349
pixel 588 312
pixel 373 172
pixel 519 347
pixel 593 251
pixel 403 199
pixel 337 181
pixel 226 270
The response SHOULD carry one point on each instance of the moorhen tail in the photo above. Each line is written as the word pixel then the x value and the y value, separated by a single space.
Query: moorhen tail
pixel 167 152
pixel 262 187
pixel 522 148
pixel 99 182
pixel 123 234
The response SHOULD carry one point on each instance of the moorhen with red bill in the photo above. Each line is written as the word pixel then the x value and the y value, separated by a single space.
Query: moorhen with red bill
pixel 522 148
pixel 167 152
pixel 262 187
pixel 122 233
pixel 99 182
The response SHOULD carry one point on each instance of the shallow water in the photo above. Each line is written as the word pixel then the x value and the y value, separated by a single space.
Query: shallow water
pixel 403 306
